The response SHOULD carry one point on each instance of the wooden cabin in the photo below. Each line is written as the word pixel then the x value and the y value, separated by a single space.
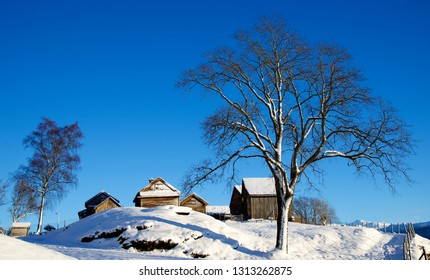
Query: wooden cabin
pixel 256 199
pixel 19 229
pixel 100 202
pixel 195 202
pixel 259 198
pixel 157 193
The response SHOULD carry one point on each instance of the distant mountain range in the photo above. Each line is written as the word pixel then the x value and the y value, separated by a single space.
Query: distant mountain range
pixel 423 229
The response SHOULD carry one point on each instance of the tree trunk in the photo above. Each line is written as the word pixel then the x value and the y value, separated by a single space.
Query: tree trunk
pixel 284 199
pixel 282 224
pixel 42 208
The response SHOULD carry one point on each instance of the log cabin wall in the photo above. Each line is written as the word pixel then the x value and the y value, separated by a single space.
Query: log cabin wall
pixel 263 207
pixel 259 207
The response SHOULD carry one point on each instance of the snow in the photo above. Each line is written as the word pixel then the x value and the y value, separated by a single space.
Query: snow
pixel 217 209
pixel 260 186
pixel 238 188
pixel 159 188
pixel 21 224
pixel 15 249
pixel 158 193
pixel 333 153
pixel 110 233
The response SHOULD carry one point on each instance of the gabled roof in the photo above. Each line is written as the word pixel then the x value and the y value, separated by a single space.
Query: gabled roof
pixel 238 188
pixel 158 188
pixel 99 198
pixel 259 186
pixel 21 225
pixel 196 197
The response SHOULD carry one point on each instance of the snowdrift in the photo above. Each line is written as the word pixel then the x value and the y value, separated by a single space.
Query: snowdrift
pixel 166 231
pixel 15 249
pixel 169 232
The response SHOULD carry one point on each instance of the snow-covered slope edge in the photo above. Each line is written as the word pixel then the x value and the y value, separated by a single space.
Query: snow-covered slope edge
pixel 161 233
pixel 15 249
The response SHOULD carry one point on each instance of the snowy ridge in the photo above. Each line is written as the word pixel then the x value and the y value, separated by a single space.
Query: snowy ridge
pixel 112 233
pixel 422 229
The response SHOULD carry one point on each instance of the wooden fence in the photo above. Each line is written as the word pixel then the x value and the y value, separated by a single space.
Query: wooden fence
pixel 405 228
pixel 410 234
pixel 384 227
pixel 424 255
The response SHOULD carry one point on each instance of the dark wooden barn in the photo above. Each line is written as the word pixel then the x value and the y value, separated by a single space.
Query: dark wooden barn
pixel 259 198
pixel 236 205
pixel 100 202
pixel 256 199
pixel 195 202
pixel 157 193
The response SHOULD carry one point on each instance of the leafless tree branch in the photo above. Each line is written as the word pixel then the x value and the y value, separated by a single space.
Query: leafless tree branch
pixel 293 105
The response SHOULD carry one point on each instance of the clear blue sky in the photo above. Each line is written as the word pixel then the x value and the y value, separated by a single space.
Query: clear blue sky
pixel 112 66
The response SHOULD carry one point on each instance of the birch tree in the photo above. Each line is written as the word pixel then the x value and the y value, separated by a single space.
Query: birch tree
pixel 24 198
pixel 3 189
pixel 293 105
pixel 55 161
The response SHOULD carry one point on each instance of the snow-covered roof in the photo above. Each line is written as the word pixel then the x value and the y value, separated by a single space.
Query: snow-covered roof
pixel 238 188
pixel 218 209
pixel 158 188
pixel 152 193
pixel 21 225
pixel 100 198
pixel 259 186
pixel 197 197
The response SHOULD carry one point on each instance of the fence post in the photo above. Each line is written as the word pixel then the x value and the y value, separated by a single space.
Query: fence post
pixel 409 250
pixel 410 234
pixel 406 249
pixel 424 255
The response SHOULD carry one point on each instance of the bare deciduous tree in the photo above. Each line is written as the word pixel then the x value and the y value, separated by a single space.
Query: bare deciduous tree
pixel 3 188
pixel 313 211
pixel 293 105
pixel 25 198
pixel 53 166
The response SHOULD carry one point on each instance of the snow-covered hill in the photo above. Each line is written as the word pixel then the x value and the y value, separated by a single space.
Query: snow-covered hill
pixel 162 233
